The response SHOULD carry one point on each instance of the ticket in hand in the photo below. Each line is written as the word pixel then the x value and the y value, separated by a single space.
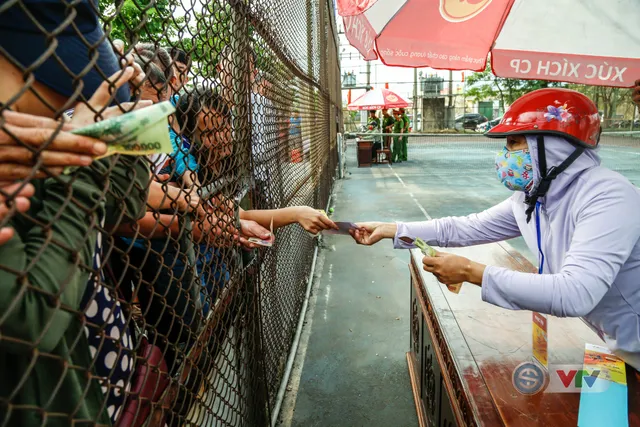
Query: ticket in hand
pixel 343 228
pixel 261 242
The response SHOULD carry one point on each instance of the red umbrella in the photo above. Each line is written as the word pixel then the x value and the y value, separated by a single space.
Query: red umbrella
pixel 378 99
pixel 353 7
pixel 590 41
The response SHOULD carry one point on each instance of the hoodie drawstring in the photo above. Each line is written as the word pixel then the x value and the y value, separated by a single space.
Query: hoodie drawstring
pixel 539 235
pixel 540 190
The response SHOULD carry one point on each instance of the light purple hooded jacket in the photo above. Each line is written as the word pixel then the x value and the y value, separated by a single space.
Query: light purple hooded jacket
pixel 590 238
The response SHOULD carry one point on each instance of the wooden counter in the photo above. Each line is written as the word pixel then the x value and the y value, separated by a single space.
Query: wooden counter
pixel 463 352
pixel 365 152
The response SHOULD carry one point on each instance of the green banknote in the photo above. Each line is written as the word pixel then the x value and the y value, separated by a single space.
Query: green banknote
pixel 426 249
pixel 138 133
pixel 429 251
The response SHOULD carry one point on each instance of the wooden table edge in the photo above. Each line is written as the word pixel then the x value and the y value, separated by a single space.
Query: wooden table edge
pixel 467 415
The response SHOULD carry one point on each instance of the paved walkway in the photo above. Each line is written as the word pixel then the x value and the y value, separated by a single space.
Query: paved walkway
pixel 351 368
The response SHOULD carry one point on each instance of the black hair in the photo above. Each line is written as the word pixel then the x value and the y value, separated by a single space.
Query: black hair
pixel 180 55
pixel 193 102
pixel 153 73
pixel 158 55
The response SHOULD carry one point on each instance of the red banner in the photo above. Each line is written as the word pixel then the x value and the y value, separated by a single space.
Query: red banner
pixel 592 70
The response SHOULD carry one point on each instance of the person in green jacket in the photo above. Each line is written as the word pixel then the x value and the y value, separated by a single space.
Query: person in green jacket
pixel 405 129
pixel 387 125
pixel 49 263
pixel 397 141
pixel 373 122
pixel 373 125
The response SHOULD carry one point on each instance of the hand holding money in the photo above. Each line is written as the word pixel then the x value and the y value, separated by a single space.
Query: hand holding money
pixel 344 228
pixel 138 133
pixel 312 220
pixel 255 235
pixel 25 139
pixel 142 131
pixel 448 268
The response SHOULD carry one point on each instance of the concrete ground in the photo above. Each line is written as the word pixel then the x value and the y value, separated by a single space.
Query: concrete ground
pixel 350 367
pixel 354 370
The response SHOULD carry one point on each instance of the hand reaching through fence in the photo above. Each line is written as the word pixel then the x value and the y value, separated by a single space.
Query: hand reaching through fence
pixel 128 60
pixel 309 218
pixel 218 231
pixel 55 297
pixel 26 139
pixel 86 113
pixel 165 197
pixel 250 229
pixel 313 220
pixel 19 195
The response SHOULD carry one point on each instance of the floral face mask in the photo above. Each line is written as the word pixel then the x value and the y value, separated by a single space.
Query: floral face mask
pixel 515 170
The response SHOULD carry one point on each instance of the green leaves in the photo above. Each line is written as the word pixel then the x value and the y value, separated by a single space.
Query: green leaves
pixel 485 86
pixel 136 21
pixel 202 32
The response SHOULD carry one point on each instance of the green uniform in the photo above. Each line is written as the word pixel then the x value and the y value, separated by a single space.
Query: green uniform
pixel 373 125
pixel 405 139
pixel 386 122
pixel 373 122
pixel 397 141
pixel 43 340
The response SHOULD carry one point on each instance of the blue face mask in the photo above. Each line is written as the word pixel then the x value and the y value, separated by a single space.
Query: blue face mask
pixel 514 169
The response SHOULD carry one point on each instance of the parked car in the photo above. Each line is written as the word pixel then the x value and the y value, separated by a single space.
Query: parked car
pixel 623 124
pixel 469 121
pixel 485 127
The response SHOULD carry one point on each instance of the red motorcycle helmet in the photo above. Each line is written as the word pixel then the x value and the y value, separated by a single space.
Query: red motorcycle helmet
pixel 552 111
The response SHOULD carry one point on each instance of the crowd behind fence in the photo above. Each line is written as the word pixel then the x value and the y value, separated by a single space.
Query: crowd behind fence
pixel 164 288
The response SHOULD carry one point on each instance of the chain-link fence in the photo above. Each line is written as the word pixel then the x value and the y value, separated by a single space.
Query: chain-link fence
pixel 141 281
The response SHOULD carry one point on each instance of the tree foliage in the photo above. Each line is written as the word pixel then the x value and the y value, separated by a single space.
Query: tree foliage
pixel 203 34
pixel 485 86
pixel 136 21
pixel 611 102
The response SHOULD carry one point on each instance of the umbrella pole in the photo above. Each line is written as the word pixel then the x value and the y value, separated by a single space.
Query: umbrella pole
pixel 368 75
pixel 450 123
pixel 415 99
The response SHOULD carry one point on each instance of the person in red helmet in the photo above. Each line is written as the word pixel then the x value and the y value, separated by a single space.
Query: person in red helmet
pixel 580 217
